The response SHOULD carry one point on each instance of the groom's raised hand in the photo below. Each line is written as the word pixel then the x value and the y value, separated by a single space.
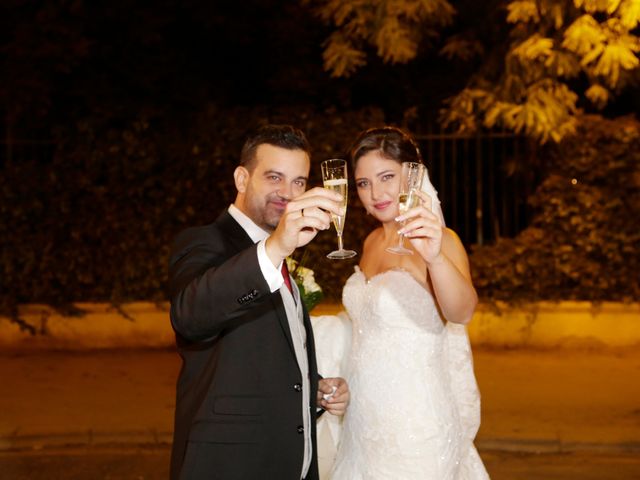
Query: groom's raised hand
pixel 333 395
pixel 303 217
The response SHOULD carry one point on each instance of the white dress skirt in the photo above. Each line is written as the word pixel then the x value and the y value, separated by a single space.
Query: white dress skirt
pixel 415 405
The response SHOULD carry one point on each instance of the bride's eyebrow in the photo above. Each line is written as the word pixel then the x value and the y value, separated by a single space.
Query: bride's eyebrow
pixel 386 172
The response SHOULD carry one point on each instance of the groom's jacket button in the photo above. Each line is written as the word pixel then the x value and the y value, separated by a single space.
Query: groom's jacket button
pixel 300 429
pixel 297 387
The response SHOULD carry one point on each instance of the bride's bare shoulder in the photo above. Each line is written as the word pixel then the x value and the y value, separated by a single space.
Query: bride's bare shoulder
pixel 373 238
pixel 451 242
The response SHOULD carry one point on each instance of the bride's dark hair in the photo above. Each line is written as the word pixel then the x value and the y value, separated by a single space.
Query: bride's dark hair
pixel 393 143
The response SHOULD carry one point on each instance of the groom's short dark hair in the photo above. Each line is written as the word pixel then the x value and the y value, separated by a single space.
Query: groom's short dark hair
pixel 283 136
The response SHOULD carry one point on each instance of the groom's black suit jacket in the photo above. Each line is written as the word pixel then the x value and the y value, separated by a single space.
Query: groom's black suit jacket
pixel 238 406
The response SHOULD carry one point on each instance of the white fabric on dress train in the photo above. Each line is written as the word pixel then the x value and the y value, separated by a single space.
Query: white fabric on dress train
pixel 415 406
pixel 332 335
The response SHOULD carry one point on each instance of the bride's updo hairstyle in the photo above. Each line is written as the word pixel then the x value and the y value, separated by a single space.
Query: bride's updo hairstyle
pixel 392 143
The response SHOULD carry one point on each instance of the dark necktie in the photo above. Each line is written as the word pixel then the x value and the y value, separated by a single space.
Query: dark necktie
pixel 285 276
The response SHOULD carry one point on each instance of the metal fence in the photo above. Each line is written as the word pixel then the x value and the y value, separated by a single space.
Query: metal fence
pixel 483 181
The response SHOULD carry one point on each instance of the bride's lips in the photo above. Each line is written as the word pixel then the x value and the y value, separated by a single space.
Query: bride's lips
pixel 382 205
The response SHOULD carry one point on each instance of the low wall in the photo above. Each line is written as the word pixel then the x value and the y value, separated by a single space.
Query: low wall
pixel 139 324
pixel 563 324
pixel 142 324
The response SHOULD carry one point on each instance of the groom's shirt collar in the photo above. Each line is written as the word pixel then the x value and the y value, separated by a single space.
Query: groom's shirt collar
pixel 254 231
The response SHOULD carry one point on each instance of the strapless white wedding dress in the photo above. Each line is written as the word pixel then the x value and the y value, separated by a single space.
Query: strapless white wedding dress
pixel 415 406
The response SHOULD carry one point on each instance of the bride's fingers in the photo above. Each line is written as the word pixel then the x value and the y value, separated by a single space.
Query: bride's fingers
pixel 419 211
pixel 418 223
pixel 427 201
pixel 426 232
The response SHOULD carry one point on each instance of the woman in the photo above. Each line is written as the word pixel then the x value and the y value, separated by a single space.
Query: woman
pixel 414 402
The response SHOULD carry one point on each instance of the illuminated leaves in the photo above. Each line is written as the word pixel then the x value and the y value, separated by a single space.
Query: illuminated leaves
pixel 562 64
pixel 340 56
pixel 604 49
pixel 594 6
pixel 462 108
pixel 584 36
pixel 546 112
pixel 629 13
pixel 534 48
pixel 553 41
pixel 461 48
pixel 619 54
pixel 395 42
pixel 393 28
pixel 598 95
pixel 523 11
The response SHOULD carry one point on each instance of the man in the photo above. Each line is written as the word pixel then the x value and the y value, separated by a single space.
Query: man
pixel 249 389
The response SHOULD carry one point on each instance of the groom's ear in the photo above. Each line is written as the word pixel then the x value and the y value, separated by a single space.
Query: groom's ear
pixel 241 178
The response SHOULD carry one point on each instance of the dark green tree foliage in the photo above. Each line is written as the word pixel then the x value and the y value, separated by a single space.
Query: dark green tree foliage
pixel 584 241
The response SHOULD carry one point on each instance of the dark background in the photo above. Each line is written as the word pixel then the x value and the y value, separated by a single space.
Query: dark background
pixel 63 59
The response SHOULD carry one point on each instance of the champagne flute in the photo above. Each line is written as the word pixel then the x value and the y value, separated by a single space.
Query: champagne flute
pixel 410 182
pixel 334 177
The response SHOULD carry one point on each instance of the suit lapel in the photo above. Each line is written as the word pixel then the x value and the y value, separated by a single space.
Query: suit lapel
pixel 281 311
pixel 311 347
pixel 240 241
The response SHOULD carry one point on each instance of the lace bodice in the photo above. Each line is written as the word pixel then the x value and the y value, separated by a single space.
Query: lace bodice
pixel 391 300
pixel 414 404
pixel 393 316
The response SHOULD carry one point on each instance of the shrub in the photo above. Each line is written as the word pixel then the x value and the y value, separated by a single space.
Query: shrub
pixel 583 242
pixel 95 222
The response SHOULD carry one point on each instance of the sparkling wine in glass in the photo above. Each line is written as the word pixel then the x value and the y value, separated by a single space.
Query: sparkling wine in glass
pixel 334 177
pixel 410 183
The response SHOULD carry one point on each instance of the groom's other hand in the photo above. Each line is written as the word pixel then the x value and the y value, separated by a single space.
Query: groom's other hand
pixel 333 395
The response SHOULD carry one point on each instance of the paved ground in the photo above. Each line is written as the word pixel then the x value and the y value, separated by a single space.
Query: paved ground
pixel 152 464
pixel 108 415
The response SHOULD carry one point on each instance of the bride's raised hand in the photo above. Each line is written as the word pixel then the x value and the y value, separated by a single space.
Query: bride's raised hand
pixel 423 229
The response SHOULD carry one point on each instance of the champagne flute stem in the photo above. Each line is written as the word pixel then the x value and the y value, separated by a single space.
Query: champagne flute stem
pixel 401 237
pixel 340 242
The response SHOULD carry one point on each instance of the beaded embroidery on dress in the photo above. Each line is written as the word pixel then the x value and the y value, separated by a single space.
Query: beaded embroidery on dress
pixel 415 406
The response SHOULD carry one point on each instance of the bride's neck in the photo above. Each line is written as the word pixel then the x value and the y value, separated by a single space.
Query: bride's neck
pixel 390 232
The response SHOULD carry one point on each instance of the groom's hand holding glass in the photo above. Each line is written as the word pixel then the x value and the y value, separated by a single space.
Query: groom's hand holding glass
pixel 303 217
